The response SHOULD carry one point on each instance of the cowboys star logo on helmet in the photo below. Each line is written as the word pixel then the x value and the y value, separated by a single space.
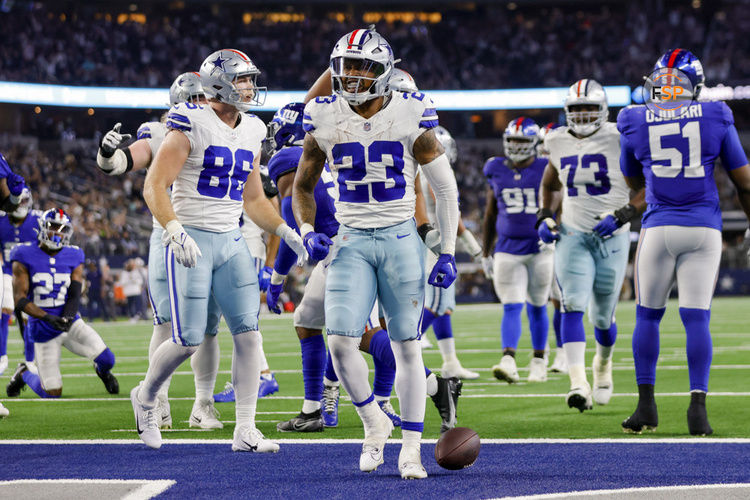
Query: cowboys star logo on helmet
pixel 186 88
pixel 229 76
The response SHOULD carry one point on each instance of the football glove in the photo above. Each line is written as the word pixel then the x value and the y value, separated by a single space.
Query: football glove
pixel 317 245
pixel 612 222
pixel 548 231
pixel 444 272
pixel 56 322
pixel 15 184
pixel 272 297
pixel 112 140
pixel 184 248
pixel 488 265
pixel 264 278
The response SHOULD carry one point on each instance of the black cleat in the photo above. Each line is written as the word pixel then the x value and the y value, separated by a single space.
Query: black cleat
pixel 304 422
pixel 645 415
pixel 446 401
pixel 110 382
pixel 696 415
pixel 13 389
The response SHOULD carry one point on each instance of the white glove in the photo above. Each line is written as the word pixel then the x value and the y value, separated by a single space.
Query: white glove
pixel 294 241
pixel 112 140
pixel 110 159
pixel 184 248
pixel 488 265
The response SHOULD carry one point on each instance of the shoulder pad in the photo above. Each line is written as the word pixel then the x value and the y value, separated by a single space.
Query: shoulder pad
pixel 422 104
pixel 283 162
pixel 181 116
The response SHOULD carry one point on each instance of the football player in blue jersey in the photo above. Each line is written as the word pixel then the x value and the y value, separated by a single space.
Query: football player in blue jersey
pixel 673 156
pixel 522 264
pixel 47 283
pixel 19 226
pixel 11 187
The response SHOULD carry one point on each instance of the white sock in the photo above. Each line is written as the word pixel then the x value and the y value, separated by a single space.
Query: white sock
pixel 245 376
pixel 205 365
pixel 411 386
pixel 431 382
pixel 263 361
pixel 160 334
pixel 447 349
pixel 577 375
pixel 411 439
pixel 382 398
pixel 310 406
pixel 350 366
pixel 575 353
pixel 164 362
pixel 604 352
pixel 332 383
pixel 369 415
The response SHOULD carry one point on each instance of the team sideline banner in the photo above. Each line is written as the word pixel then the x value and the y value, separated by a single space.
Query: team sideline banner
pixel 147 98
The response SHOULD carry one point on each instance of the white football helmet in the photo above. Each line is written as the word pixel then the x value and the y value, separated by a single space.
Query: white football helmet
pixel 361 66
pixel 401 81
pixel 586 92
pixel 24 205
pixel 448 142
pixel 186 88
pixel 219 73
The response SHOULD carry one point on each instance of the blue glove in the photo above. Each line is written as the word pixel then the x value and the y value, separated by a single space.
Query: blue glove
pixel 272 297
pixel 444 272
pixel 317 245
pixel 607 226
pixel 264 278
pixel 15 184
pixel 548 231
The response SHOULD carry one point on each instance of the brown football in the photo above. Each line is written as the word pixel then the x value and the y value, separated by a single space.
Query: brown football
pixel 457 448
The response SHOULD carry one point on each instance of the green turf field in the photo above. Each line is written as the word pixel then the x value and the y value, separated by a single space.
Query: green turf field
pixel 493 408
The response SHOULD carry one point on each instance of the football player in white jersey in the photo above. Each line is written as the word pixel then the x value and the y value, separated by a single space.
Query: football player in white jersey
pixel 211 158
pixel 374 139
pixel 593 235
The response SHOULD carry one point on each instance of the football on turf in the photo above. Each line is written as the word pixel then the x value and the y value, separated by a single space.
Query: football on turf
pixel 457 448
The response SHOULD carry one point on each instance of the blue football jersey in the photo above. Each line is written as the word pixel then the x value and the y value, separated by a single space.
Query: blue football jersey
pixel 517 192
pixel 286 161
pixel 676 156
pixel 12 235
pixel 49 277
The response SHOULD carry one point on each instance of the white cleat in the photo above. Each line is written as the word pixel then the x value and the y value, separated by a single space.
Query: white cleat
pixel 3 363
pixel 603 384
pixel 560 364
pixel 375 438
pixel 454 369
pixel 506 369
pixel 164 412
pixel 425 343
pixel 580 398
pixel 205 416
pixel 537 370
pixel 410 464
pixel 248 438
pixel 145 420
pixel 3 411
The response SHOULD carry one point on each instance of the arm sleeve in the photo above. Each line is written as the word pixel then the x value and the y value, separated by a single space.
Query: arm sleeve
pixel 286 257
pixel 732 154
pixel 440 176
pixel 629 164
pixel 72 301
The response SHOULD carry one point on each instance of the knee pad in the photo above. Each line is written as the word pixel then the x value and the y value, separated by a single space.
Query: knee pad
pixel 105 361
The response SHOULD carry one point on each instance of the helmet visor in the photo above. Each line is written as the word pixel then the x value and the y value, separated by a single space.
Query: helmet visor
pixel 355 75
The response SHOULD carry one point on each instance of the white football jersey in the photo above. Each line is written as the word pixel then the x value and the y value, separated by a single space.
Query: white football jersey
pixel 253 237
pixel 207 193
pixel 371 159
pixel 589 170
pixel 153 133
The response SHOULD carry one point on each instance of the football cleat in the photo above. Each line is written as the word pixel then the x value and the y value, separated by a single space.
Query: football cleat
pixel 387 408
pixel 3 411
pixel 645 417
pixel 164 412
pixel 603 384
pixel 304 422
pixel 267 386
pixel 446 401
pixel 696 415
pixel 453 368
pixel 16 383
pixel 227 395
pixel 561 362
pixel 330 405
pixel 506 369
pixel 205 416
pixel 145 420
pixel 3 363
pixel 537 370
pixel 248 438
pixel 410 464
pixel 580 398
pixel 375 439
pixel 110 382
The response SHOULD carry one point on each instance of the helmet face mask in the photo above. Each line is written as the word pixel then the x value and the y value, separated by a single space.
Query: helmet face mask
pixel 520 139
pixel 285 129
pixel 229 76
pixel 55 229
pixel 24 205
pixel 361 66
pixel 586 107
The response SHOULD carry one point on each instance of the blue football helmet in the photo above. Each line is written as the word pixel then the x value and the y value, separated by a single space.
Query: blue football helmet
pixel 520 139
pixel 685 61
pixel 55 229
pixel 285 129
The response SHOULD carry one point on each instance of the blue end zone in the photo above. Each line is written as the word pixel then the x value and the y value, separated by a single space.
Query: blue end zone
pixel 331 470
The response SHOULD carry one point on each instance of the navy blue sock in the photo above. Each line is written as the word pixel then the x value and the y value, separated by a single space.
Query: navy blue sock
pixel 33 381
pixel 427 319
pixel 4 334
pixel 330 372
pixel 443 327
pixel 556 318
pixel 28 345
pixel 571 327
pixel 699 346
pixel 510 328
pixel 606 337
pixel 427 371
pixel 539 325
pixel 646 343
pixel 385 364
pixel 105 361
pixel 412 426
pixel 313 366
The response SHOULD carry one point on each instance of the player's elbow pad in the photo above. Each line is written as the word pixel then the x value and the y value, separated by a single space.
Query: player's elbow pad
pixel 119 163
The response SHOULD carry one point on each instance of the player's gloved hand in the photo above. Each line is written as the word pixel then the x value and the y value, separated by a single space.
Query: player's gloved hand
pixel 488 265
pixel 612 222
pixel 112 140
pixel 264 278
pixel 546 226
pixel 317 245
pixel 272 297
pixel 184 248
pixel 15 186
pixel 430 236
pixel 444 272
pixel 294 241
pixel 56 322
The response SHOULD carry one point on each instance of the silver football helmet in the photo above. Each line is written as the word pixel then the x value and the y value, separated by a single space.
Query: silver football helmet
pixel 24 205
pixel 448 142
pixel 401 81
pixel 220 73
pixel 361 66
pixel 186 88
pixel 586 92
